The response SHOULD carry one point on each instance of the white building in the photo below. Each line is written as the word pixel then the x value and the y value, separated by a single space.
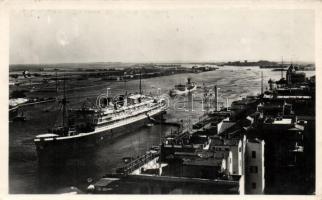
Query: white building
pixel 236 147
pixel 254 167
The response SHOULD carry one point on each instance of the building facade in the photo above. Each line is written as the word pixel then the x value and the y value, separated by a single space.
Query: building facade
pixel 254 167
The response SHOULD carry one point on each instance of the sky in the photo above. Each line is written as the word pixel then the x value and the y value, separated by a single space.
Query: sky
pixel 177 35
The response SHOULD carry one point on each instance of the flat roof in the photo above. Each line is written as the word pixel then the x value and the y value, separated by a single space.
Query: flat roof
pixel 137 184
pixel 210 162
pixel 287 96
pixel 282 121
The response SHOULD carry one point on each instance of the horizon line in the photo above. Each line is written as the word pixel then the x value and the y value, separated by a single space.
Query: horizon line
pixel 159 62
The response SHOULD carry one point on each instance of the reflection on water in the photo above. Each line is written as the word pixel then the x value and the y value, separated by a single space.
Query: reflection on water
pixel 77 172
pixel 26 177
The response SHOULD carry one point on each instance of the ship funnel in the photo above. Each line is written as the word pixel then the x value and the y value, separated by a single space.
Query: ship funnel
pixel 227 104
pixel 189 80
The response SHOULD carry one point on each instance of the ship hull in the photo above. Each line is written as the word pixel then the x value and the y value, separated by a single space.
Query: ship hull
pixel 53 151
pixel 175 92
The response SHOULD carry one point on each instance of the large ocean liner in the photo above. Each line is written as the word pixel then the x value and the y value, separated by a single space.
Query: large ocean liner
pixel 87 128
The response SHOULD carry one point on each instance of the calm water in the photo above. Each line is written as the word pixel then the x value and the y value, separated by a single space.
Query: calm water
pixel 26 177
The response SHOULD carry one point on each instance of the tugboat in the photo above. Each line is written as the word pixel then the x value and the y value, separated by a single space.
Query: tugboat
pixel 182 89
pixel 86 128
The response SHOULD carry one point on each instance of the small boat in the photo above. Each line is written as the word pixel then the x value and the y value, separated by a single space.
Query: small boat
pixel 149 124
pixel 127 159
pixel 181 89
pixel 72 190
pixel 20 117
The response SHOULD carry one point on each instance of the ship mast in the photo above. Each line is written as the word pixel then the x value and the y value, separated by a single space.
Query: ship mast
pixel 205 95
pixel 216 98
pixel 227 103
pixel 56 80
pixel 160 142
pixel 140 82
pixel 262 84
pixel 124 79
pixel 64 102
pixel 282 68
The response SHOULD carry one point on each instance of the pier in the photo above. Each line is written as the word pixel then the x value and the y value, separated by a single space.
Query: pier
pixel 137 163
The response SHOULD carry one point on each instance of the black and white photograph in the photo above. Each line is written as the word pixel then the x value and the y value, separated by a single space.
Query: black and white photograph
pixel 150 99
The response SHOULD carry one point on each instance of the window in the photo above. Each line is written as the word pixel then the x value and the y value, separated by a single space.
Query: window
pixel 253 154
pixel 253 169
pixel 253 185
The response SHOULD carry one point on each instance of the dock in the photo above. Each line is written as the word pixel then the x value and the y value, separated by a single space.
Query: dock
pixel 137 163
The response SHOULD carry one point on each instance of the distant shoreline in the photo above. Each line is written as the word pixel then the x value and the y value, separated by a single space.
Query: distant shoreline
pixel 100 65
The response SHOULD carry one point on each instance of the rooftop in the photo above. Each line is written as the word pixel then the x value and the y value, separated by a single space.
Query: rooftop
pixel 282 121
pixel 216 141
pixel 143 184
pixel 209 162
